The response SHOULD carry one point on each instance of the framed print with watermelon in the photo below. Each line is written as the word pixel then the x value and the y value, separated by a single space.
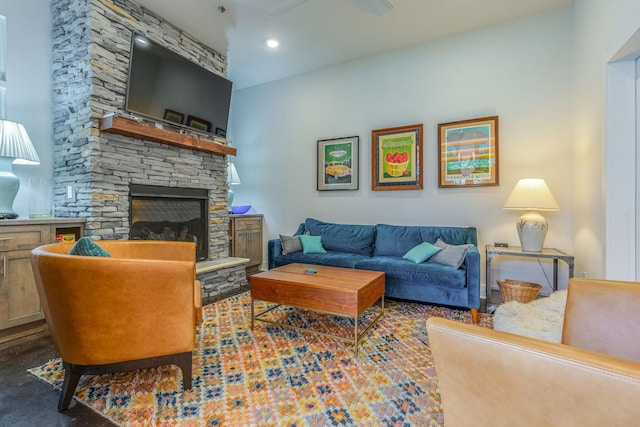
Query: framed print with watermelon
pixel 396 158
pixel 338 164
pixel 468 153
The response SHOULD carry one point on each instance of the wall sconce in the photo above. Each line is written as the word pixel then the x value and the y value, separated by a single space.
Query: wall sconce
pixel 531 195
pixel 15 148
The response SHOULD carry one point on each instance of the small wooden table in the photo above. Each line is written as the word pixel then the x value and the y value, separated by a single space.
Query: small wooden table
pixel 340 291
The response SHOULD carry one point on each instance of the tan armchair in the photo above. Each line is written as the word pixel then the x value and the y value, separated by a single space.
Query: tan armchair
pixel 138 308
pixel 488 377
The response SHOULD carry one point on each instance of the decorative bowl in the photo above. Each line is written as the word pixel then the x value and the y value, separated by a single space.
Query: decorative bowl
pixel 240 209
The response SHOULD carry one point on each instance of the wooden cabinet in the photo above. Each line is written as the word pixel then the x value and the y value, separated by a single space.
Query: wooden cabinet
pixel 19 301
pixel 245 240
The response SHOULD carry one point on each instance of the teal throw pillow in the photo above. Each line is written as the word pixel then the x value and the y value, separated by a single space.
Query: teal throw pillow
pixel 422 252
pixel 312 245
pixel 87 247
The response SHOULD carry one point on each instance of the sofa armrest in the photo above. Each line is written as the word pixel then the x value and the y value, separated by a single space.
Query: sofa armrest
pixel 274 249
pixel 595 308
pixel 472 265
pixel 494 378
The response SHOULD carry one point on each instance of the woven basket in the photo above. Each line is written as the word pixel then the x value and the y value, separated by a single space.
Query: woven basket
pixel 517 290
pixel 396 169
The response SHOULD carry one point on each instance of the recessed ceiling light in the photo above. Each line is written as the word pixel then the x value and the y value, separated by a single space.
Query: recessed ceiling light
pixel 141 40
pixel 273 43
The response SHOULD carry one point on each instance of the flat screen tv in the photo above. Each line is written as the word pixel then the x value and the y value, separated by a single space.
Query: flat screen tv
pixel 168 87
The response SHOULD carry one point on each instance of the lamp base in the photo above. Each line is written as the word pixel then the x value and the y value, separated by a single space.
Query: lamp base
pixel 532 230
pixel 229 199
pixel 9 185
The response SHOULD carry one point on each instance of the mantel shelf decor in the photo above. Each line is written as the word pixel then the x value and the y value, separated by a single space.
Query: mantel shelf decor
pixel 127 127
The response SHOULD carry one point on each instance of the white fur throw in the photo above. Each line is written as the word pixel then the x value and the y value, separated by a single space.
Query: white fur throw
pixel 541 318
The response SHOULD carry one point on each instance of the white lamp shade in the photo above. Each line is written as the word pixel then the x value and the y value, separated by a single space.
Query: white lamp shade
pixel 531 194
pixel 232 175
pixel 15 143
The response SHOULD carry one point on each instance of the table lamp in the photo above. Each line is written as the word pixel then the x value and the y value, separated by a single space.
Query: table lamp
pixel 15 148
pixel 232 179
pixel 531 195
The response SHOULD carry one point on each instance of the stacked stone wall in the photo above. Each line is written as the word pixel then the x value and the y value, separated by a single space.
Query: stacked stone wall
pixel 91 50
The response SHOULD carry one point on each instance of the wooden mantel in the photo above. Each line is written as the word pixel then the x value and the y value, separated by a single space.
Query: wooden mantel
pixel 134 129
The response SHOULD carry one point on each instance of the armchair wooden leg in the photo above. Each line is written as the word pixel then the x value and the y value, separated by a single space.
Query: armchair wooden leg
pixel 69 385
pixel 474 315
pixel 72 373
pixel 185 363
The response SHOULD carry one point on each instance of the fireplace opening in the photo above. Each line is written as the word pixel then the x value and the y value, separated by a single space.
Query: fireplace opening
pixel 170 213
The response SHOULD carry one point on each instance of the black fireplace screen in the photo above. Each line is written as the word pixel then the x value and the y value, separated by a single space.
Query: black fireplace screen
pixel 163 213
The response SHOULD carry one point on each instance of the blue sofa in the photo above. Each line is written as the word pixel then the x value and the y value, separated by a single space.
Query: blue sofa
pixel 381 247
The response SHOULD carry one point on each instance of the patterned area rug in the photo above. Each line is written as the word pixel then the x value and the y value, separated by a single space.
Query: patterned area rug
pixel 276 376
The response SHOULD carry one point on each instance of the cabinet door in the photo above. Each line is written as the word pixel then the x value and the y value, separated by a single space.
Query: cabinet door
pixel 19 302
pixel 254 247
pixel 241 244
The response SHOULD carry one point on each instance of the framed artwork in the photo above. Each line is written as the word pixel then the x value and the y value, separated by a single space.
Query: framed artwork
pixel 338 164
pixel 199 124
pixel 396 158
pixel 468 153
pixel 173 116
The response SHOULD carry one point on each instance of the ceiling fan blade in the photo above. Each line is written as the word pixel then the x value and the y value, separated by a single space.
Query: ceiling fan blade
pixel 375 7
pixel 284 6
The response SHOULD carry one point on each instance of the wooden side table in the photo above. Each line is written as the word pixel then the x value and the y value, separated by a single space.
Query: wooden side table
pixel 547 253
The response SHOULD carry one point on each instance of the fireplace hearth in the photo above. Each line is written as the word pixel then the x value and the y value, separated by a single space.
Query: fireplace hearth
pixel 170 213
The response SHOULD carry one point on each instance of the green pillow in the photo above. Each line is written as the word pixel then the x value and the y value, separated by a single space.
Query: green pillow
pixel 312 245
pixel 87 247
pixel 422 252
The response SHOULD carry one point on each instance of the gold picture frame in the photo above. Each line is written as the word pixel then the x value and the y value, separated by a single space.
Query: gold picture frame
pixel 396 158
pixel 468 153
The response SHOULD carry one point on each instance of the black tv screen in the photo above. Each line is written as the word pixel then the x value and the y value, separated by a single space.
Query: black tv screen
pixel 168 87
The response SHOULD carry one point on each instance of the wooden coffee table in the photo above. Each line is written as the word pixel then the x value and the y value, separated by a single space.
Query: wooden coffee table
pixel 340 291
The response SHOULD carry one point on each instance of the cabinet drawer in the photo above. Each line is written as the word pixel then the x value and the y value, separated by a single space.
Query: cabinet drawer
pixel 248 224
pixel 15 237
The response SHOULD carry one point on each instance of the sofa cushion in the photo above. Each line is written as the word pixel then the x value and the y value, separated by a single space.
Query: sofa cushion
pixel 411 273
pixel 290 244
pixel 451 235
pixel 87 247
pixel 451 255
pixel 422 252
pixel 331 258
pixel 312 244
pixel 355 239
pixel 397 240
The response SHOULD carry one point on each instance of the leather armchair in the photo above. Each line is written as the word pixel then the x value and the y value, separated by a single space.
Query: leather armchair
pixel 592 378
pixel 138 308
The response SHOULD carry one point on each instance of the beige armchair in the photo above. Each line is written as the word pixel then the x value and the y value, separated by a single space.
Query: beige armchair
pixel 138 308
pixel 592 378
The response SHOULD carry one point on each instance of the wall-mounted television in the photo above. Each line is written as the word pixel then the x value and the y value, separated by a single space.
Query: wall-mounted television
pixel 166 86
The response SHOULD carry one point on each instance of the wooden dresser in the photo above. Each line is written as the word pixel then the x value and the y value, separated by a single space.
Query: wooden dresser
pixel 245 239
pixel 20 311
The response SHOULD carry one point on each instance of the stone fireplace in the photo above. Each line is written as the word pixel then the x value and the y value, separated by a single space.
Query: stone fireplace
pixel 91 48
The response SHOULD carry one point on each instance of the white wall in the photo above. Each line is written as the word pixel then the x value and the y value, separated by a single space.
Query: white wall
pixel 28 85
pixel 520 71
pixel 602 27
